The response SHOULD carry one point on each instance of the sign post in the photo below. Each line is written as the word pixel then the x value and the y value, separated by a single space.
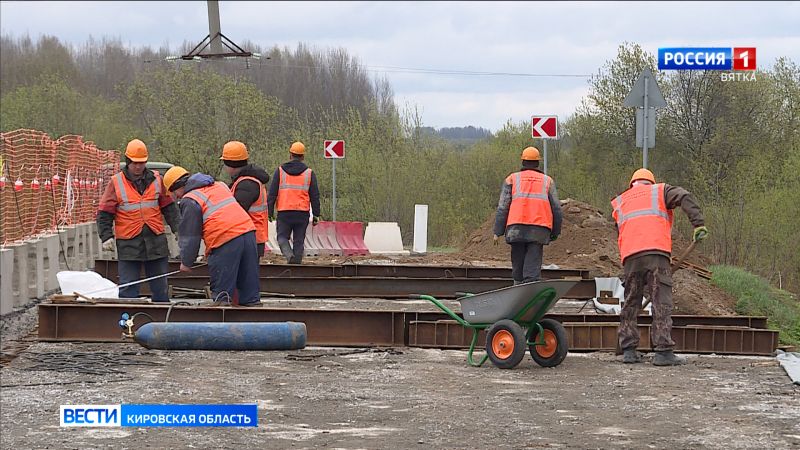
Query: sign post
pixel 646 97
pixel 544 127
pixel 334 150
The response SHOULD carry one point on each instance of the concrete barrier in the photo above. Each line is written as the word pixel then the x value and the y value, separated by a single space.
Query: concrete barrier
pixel 325 232
pixel 384 238
pixel 350 236
pixel 272 243
pixel 311 248
pixel 28 269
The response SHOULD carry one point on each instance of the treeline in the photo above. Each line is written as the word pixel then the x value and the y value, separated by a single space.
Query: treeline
pixel 459 134
pixel 734 144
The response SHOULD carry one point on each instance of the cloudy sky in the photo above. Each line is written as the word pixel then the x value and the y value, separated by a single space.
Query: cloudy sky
pixel 539 54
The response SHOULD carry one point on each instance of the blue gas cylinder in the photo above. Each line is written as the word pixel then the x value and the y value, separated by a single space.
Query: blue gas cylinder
pixel 222 336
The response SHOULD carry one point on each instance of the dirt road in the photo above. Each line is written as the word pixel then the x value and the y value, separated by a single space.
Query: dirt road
pixel 360 398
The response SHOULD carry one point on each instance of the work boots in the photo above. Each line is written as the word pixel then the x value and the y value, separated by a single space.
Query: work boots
pixel 631 356
pixel 286 250
pixel 668 358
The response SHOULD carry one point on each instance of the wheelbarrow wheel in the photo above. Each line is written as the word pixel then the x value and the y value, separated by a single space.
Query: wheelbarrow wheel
pixel 505 344
pixel 555 347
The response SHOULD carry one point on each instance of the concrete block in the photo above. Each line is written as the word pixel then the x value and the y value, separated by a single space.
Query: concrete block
pixel 6 280
pixel 68 237
pixel 38 276
pixel 384 238
pixel 52 249
pixel 21 274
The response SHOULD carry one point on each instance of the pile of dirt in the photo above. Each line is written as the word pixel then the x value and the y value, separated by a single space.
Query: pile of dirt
pixel 589 241
pixel 694 295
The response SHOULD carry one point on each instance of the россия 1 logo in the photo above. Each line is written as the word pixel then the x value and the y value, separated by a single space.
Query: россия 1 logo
pixel 741 60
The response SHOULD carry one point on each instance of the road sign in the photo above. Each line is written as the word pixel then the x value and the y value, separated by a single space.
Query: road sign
pixel 334 149
pixel 645 97
pixel 544 127
pixel 654 97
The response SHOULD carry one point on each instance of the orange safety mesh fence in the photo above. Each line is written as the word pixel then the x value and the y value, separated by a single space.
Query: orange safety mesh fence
pixel 46 183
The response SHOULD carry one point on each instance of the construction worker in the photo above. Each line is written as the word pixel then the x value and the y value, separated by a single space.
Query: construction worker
pixel 529 214
pixel 643 215
pixel 132 212
pixel 210 212
pixel 293 193
pixel 248 188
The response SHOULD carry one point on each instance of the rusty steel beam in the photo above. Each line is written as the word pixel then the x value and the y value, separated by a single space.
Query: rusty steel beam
pixel 108 269
pixel 603 336
pixel 355 287
pixel 81 322
pixel 374 287
pixel 98 323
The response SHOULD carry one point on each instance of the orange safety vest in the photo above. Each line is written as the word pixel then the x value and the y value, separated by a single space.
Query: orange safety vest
pixel 258 210
pixel 643 220
pixel 529 201
pixel 293 191
pixel 223 218
pixel 134 210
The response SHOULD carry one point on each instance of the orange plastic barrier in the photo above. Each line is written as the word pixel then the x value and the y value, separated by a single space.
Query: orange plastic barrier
pixel 45 183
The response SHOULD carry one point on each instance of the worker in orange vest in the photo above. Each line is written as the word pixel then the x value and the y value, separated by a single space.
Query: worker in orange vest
pixel 209 212
pixel 529 214
pixel 248 189
pixel 293 192
pixel 132 212
pixel 643 215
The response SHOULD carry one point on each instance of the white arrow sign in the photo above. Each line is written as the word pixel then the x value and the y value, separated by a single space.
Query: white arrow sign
pixel 334 149
pixel 545 127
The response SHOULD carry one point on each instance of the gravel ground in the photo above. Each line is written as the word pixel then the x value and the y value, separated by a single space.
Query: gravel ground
pixel 411 398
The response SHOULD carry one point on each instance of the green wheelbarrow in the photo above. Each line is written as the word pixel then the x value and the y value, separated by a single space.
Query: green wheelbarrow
pixel 514 318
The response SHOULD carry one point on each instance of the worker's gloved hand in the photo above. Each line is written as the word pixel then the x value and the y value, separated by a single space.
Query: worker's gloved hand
pixel 315 221
pixel 700 233
pixel 108 245
pixel 495 239
pixel 185 268
pixel 553 237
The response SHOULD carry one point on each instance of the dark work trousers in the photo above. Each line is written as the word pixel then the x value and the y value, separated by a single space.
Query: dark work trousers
pixel 234 265
pixel 260 248
pixel 653 279
pixel 296 227
pixel 526 262
pixel 130 271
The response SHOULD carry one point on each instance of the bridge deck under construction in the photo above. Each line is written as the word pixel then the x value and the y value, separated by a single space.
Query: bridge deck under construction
pixel 333 324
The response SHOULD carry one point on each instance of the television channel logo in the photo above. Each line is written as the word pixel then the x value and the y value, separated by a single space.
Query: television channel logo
pixel 707 58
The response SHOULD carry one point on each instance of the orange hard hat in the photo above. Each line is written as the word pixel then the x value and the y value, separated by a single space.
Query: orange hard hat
pixel 530 154
pixel 643 174
pixel 297 148
pixel 136 151
pixel 234 151
pixel 173 175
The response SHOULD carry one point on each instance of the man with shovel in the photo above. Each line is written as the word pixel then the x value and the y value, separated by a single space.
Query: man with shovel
pixel 643 215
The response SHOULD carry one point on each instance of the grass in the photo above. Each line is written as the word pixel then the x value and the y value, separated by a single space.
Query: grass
pixel 756 297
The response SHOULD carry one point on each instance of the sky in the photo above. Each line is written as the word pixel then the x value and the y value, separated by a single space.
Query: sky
pixel 551 47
